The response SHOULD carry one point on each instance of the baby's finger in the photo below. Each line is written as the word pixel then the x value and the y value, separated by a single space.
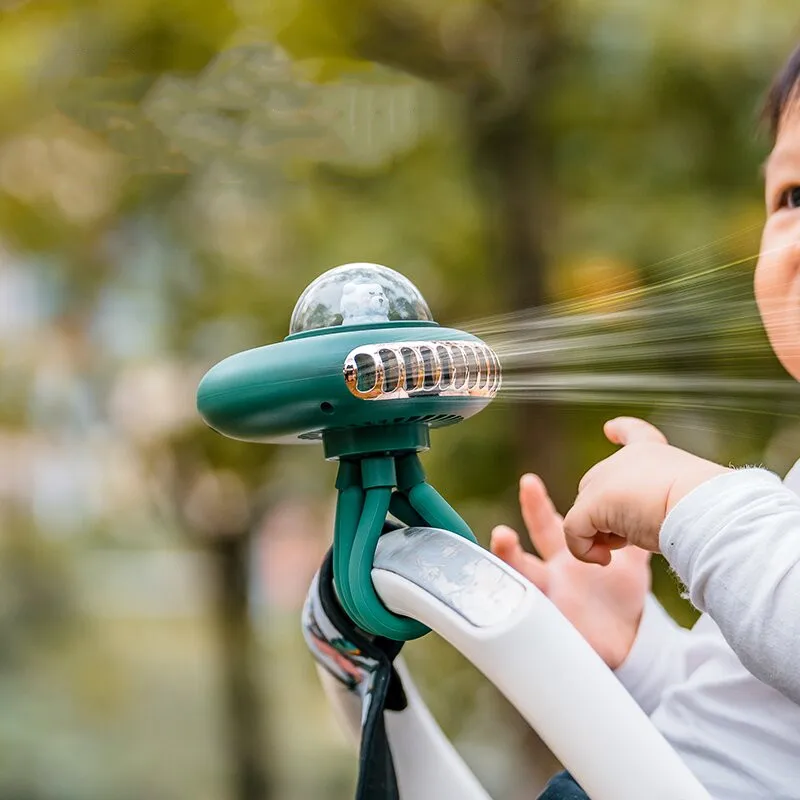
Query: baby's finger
pixel 505 545
pixel 591 551
pixel 611 541
pixel 541 519
pixel 582 533
pixel 627 430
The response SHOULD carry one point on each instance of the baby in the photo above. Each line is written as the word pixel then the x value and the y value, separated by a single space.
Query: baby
pixel 726 694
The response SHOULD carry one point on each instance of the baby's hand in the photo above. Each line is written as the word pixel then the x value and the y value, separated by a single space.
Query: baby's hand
pixel 605 605
pixel 624 499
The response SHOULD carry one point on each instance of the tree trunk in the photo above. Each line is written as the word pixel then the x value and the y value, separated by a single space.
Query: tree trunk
pixel 253 775
pixel 513 153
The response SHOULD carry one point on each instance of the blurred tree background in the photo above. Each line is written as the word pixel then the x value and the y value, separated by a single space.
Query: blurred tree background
pixel 172 175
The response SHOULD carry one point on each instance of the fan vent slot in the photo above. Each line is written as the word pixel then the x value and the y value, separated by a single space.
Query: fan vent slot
pixel 404 370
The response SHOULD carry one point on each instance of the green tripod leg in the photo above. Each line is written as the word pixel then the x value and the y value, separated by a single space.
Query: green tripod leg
pixel 426 501
pixel 379 479
pixel 372 615
pixel 348 512
pixel 366 494
pixel 437 512
pixel 404 511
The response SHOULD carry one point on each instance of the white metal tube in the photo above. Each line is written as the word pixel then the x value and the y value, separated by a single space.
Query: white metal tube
pixel 521 642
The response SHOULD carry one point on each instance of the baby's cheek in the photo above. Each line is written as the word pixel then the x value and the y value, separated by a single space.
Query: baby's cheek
pixel 779 306
pixel 772 280
pixel 777 287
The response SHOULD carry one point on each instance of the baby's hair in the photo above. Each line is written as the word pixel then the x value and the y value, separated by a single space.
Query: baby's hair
pixel 785 91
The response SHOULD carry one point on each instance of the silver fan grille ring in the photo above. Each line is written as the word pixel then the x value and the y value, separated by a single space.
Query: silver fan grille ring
pixel 400 370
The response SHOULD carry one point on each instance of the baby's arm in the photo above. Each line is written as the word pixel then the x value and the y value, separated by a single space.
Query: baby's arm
pixel 735 542
pixel 655 661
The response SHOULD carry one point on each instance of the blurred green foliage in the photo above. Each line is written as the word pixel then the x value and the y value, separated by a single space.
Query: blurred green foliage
pixel 172 175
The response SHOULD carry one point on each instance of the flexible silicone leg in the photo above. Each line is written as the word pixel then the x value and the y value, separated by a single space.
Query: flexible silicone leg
pixel 348 513
pixel 425 500
pixel 370 613
pixel 436 511
pixel 404 511
pixel 349 505
pixel 365 496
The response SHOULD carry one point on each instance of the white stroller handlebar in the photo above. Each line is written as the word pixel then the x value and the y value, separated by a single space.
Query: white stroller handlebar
pixel 521 642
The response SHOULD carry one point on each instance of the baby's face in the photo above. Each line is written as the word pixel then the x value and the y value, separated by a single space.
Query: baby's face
pixel 777 278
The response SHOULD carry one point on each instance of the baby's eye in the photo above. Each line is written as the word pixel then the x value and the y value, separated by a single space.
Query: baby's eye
pixel 791 198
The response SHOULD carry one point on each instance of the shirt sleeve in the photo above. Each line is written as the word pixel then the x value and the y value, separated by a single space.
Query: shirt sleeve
pixel 735 543
pixel 655 661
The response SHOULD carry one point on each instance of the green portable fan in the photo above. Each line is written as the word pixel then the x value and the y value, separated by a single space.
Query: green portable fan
pixel 367 372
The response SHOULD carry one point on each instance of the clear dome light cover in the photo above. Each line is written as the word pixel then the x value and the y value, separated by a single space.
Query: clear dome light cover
pixel 358 294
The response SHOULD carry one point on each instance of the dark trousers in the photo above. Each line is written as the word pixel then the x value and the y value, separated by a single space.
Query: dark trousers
pixel 563 787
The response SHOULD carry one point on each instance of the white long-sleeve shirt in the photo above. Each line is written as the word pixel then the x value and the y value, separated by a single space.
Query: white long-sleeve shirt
pixel 735 543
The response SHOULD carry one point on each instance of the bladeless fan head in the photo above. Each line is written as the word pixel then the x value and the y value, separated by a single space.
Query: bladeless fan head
pixel 366 371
